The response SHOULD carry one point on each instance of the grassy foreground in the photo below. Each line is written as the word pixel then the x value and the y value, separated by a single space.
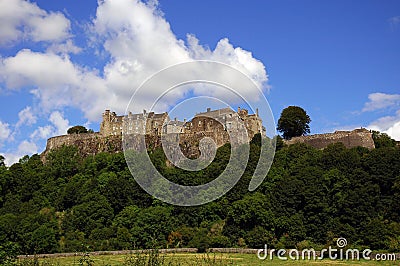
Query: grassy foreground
pixel 183 259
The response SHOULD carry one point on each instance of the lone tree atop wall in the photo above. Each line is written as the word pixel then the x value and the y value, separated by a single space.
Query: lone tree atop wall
pixel 293 122
pixel 77 130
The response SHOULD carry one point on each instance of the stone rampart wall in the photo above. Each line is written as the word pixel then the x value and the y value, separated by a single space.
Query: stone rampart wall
pixel 350 139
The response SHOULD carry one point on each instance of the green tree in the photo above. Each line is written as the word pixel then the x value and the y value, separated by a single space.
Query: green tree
pixel 2 159
pixel 77 130
pixel 8 253
pixel 151 227
pixel 94 212
pixel 293 122
pixel 43 239
pixel 382 140
pixel 63 162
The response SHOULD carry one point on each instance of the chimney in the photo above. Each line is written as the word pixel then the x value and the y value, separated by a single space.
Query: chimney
pixel 208 109
pixel 257 111
pixel 144 111
pixel 239 109
pixel 175 119
pixel 184 120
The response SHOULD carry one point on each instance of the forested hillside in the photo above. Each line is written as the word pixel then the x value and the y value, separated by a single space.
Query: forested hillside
pixel 309 198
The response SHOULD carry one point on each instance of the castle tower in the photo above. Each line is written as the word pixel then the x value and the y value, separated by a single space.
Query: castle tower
pixel 105 126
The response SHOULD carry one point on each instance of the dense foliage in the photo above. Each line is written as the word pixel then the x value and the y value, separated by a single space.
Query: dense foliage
pixel 78 130
pixel 293 122
pixel 309 198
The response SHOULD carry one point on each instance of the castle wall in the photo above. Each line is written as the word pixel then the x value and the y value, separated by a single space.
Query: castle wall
pixel 93 143
pixel 350 139
pixel 87 143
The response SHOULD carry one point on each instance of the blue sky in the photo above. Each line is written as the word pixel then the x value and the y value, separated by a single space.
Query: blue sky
pixel 63 62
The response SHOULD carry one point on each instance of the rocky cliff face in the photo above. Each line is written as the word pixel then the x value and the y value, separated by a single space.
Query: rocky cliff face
pixel 93 143
pixel 87 144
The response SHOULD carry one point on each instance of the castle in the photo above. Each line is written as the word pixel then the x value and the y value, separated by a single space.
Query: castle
pixel 216 124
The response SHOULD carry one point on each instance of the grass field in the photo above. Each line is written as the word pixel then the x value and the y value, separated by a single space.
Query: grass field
pixel 183 259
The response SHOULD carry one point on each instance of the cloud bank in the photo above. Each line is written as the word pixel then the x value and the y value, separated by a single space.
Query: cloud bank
pixel 138 42
pixel 387 124
pixel 23 20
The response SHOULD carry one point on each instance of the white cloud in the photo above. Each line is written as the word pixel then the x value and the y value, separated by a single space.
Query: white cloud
pixel 64 48
pixel 20 19
pixel 24 148
pixel 394 131
pixel 5 132
pixel 226 53
pixel 139 42
pixel 56 81
pixel 59 126
pixel 46 71
pixel 26 117
pixel 44 132
pixel 60 123
pixel 388 124
pixel 380 101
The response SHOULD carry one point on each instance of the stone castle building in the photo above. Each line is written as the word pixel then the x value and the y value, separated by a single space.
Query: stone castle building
pixel 113 124
pixel 218 122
